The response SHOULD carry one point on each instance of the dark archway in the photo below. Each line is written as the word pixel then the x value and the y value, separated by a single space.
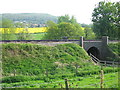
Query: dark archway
pixel 94 51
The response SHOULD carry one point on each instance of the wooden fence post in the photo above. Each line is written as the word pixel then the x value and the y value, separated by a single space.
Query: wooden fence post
pixel 101 79
pixel 105 63
pixel 113 66
pixel 66 84
pixel 14 72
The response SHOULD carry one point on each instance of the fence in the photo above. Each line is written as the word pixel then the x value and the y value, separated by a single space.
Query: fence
pixel 106 63
pixel 67 84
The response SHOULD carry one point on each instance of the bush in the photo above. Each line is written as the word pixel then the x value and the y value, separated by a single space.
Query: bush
pixel 14 79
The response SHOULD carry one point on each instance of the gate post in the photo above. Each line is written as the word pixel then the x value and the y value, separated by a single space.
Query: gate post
pixel 81 41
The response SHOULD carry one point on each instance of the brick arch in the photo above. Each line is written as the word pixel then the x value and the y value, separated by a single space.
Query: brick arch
pixel 94 51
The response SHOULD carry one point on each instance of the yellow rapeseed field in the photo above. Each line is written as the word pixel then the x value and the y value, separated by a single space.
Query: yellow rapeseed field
pixel 20 30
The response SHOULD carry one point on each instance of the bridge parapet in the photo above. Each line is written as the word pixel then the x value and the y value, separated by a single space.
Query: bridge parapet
pixel 92 41
pixel 113 41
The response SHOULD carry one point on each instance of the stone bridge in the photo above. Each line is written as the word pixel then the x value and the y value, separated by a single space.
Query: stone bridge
pixel 97 48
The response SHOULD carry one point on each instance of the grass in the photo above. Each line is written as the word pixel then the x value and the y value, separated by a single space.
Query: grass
pixel 48 66
pixel 32 36
pixel 37 36
pixel 32 59
pixel 91 81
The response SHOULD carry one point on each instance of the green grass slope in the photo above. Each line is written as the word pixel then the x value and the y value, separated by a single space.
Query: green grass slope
pixel 32 59
pixel 26 64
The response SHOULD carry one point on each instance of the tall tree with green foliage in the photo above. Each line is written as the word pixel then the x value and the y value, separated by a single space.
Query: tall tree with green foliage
pixel 67 19
pixel 64 29
pixel 89 34
pixel 106 18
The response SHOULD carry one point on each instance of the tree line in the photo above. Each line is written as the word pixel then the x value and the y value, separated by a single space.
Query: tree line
pixel 68 28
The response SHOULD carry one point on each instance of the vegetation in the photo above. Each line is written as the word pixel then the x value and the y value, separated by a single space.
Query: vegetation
pixel 105 19
pixel 8 29
pixel 36 59
pixel 67 28
pixel 10 32
pixel 115 48
pixel 67 19
pixel 89 34
pixel 30 30
pixel 30 64
pixel 91 81
pixel 58 31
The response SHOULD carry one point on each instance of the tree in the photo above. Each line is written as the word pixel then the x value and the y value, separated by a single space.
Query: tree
pixel 50 23
pixel 89 34
pixel 64 29
pixel 67 19
pixel 106 18
pixel 23 35
pixel 19 25
pixel 8 29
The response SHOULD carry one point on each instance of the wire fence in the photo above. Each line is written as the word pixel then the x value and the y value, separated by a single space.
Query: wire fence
pixel 62 85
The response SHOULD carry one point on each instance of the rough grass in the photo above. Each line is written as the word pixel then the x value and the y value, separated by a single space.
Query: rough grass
pixel 32 59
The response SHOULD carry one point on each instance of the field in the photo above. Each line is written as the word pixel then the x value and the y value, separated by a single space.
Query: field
pixel 34 33
pixel 28 30
pixel 86 81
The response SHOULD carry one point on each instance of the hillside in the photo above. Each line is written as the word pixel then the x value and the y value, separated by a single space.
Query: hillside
pixel 36 59
pixel 34 18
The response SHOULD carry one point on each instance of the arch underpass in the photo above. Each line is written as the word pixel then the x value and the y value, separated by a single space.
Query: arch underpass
pixel 94 51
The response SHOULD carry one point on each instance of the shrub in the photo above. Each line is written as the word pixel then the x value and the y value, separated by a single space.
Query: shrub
pixel 13 79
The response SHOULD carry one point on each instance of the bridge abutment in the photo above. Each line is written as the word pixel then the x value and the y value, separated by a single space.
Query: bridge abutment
pixel 104 48
pixel 81 41
pixel 104 40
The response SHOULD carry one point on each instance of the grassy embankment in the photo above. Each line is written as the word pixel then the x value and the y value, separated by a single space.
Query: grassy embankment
pixel 29 63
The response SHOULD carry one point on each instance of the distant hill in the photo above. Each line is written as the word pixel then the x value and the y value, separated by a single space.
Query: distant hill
pixel 34 18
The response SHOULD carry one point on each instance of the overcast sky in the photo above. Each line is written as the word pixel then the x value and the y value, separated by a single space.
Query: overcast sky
pixel 81 9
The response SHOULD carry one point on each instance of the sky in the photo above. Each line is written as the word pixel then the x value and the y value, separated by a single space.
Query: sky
pixel 80 9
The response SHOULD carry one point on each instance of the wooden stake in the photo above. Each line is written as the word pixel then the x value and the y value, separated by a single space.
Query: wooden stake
pixel 66 84
pixel 102 79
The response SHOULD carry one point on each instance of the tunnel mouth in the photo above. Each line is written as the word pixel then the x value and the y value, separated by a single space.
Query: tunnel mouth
pixel 94 51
